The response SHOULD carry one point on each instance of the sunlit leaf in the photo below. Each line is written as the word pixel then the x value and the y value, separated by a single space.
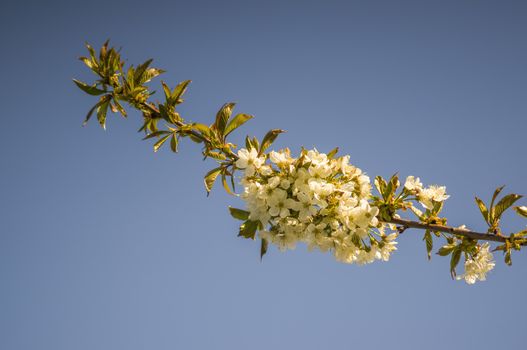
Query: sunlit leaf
pixel 89 89
pixel 222 117
pixel 504 204
pixel 483 209
pixel 333 152
pixel 248 229
pixel 210 178
pixel 239 213
pixel 102 110
pixel 269 138
pixel 155 134
pixel 160 142
pixel 522 211
pixel 454 260
pixel 236 122
pixel 429 243
pixel 174 143
pixel 263 247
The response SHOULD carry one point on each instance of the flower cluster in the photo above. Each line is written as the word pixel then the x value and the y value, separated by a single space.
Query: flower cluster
pixel 426 196
pixel 316 199
pixel 476 267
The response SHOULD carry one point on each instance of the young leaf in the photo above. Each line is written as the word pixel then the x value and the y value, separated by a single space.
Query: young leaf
pixel 174 142
pixel 248 229
pixel 236 122
pixel 333 152
pixel 140 70
pixel 504 204
pixel 178 92
pixel 225 184
pixel 239 213
pixel 155 134
pixel 210 178
pixel 522 211
pixel 456 255
pixel 89 89
pixel 167 91
pixel 380 184
pixel 222 117
pixel 160 142
pixel 508 259
pixel 495 195
pixel 102 110
pixel 263 248
pixel 202 128
pixel 269 139
pixel 429 243
pixel 445 250
pixel 483 209
pixel 90 112
pixel 150 74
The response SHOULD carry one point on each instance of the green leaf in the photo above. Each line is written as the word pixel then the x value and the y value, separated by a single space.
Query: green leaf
pixel 89 63
pixel 255 143
pixel 119 106
pixel 248 229
pixel 91 50
pixel 102 110
pixel 216 155
pixel 210 178
pixel 222 117
pixel 104 50
pixel 483 209
pixel 269 139
pixel 178 92
pixel 394 180
pixel 174 142
pixel 225 184
pixel 508 259
pixel 380 184
pixel 90 112
pixel 504 204
pixel 456 255
pixel 155 134
pixel 446 250
pixel 140 70
pixel 202 128
pixel 89 89
pixel 429 243
pixel 332 153
pixel 495 195
pixel 167 91
pixel 160 142
pixel 263 248
pixel 236 122
pixel 248 143
pixel 522 211
pixel 150 74
pixel 239 213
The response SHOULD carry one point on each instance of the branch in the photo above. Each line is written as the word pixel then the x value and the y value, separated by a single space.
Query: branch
pixel 452 230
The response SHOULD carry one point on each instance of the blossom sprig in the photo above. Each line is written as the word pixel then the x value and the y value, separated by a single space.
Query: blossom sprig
pixel 316 198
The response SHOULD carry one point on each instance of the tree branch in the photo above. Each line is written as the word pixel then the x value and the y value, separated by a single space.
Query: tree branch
pixel 448 229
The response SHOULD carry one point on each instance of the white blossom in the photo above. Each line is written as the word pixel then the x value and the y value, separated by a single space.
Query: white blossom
pixel 413 184
pixel 432 194
pixel 476 268
pixel 322 202
pixel 249 161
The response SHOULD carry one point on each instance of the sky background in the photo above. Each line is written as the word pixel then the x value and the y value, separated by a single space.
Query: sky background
pixel 106 245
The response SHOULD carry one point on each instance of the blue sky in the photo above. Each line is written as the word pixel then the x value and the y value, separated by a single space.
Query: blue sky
pixel 106 245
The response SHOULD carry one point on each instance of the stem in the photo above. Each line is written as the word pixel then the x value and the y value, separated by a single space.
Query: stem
pixel 448 229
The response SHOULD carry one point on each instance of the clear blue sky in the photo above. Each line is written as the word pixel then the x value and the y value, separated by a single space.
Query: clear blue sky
pixel 106 245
